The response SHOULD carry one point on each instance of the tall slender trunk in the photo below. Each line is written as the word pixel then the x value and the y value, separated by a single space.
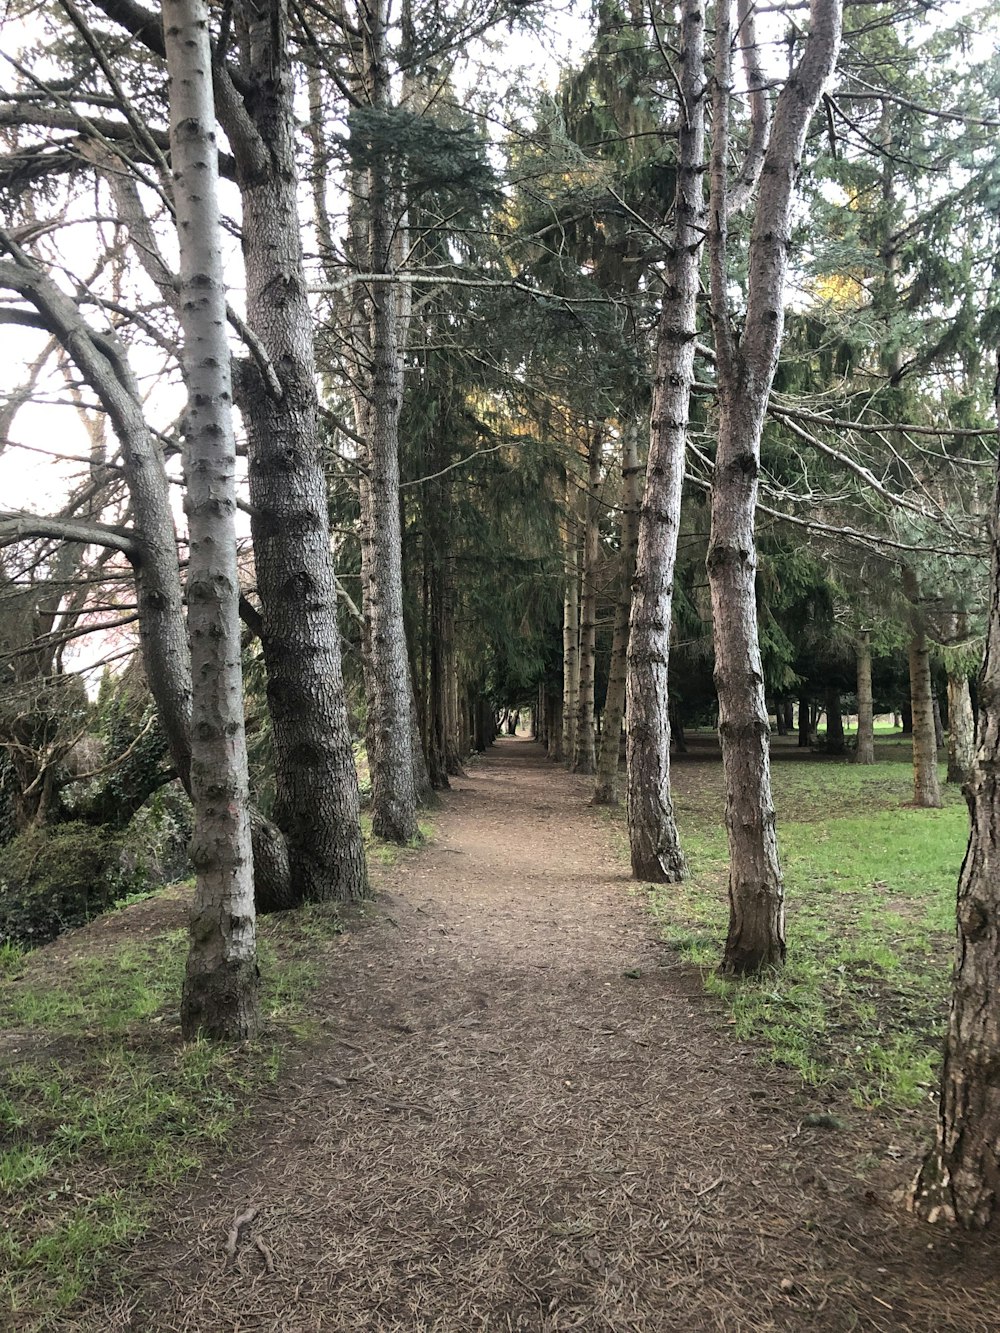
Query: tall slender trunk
pixel 653 840
pixel 865 753
pixel 961 729
pixel 571 622
pixel 926 788
pixel 584 760
pixel 756 936
pixel 316 798
pixel 805 738
pixel 606 787
pixel 960 1178
pixel 393 800
pixel 221 977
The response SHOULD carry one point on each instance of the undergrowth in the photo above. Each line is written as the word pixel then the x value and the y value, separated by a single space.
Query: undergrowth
pixel 870 892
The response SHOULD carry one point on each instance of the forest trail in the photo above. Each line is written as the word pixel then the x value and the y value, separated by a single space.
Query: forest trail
pixel 523 1115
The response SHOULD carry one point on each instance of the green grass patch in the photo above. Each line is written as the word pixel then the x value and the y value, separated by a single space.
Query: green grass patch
pixel 870 889
pixel 103 1105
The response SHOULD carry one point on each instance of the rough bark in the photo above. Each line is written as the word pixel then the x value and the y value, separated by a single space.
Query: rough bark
pixel 316 802
pixel 653 840
pixel 221 978
pixel 961 729
pixel 960 1178
pixel 571 622
pixel 584 758
pixel 606 787
pixel 745 374
pixel 835 743
pixel 865 753
pixel 926 787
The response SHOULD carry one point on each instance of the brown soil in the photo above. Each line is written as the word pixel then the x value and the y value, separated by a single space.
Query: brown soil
pixel 525 1117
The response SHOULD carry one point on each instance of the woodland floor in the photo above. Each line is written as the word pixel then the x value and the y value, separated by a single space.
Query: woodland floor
pixel 524 1113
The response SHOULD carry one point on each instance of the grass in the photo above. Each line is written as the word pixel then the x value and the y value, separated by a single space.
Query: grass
pixel 103 1105
pixel 870 888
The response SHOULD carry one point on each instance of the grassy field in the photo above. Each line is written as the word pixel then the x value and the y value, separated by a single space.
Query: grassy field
pixel 870 886
pixel 101 1103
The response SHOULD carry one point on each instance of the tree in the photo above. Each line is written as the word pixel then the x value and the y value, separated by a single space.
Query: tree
pixel 958 1181
pixel 653 840
pixel 745 373
pixel 220 982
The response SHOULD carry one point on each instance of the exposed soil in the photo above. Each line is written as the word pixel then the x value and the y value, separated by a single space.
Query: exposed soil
pixel 525 1115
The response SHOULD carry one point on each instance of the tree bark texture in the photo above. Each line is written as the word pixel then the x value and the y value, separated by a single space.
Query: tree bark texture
pixel 316 803
pixel 606 787
pixel 571 622
pixel 865 753
pixel 584 759
pixel 926 788
pixel 746 369
pixel 393 800
pixel 221 978
pixel 653 840
pixel 834 723
pixel 960 1178
pixel 961 729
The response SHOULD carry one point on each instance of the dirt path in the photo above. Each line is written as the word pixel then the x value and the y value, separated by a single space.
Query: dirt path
pixel 525 1117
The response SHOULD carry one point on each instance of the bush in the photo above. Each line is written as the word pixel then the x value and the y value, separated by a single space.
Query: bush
pixel 57 877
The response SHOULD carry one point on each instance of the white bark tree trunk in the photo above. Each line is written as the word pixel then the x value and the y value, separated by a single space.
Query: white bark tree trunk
pixel 606 787
pixel 653 840
pixel 221 978
pixel 756 937
pixel 961 729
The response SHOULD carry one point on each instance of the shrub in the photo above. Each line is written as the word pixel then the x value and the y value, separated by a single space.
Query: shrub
pixel 61 876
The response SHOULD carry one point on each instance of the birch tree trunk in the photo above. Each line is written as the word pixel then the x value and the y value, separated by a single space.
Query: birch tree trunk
pixel 571 623
pixel 756 937
pixel 653 841
pixel 960 1178
pixel 926 788
pixel 606 787
pixel 316 801
pixel 585 746
pixel 221 978
pixel 961 729
pixel 865 753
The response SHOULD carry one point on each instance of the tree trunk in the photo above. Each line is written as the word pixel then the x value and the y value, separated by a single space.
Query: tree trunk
pixel 926 789
pixel 865 753
pixel 780 721
pixel 555 726
pixel 584 759
pixel 316 799
pixel 606 787
pixel 960 1178
pixel 834 723
pixel 221 978
pixel 571 623
pixel 746 366
pixel 938 724
pixel 961 729
pixel 804 733
pixel 653 839
pixel 906 719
